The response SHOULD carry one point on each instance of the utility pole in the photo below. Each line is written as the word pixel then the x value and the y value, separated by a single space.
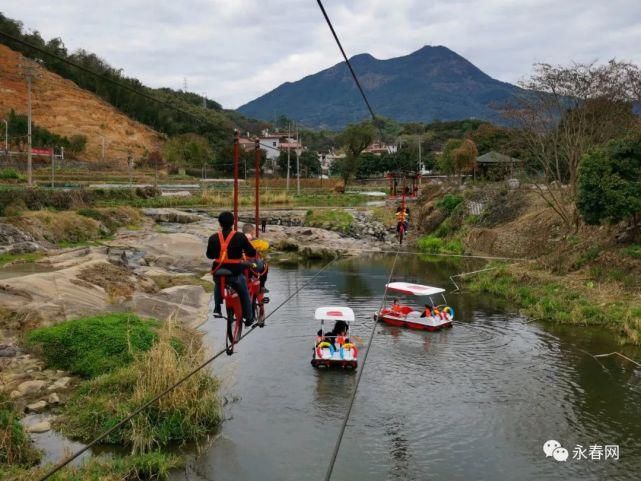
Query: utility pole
pixel 29 71
pixel 53 165
pixel 298 152
pixel 6 140
pixel 289 134
pixel 420 161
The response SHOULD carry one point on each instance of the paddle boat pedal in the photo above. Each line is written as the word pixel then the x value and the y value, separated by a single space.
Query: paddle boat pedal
pixel 334 348
pixel 433 317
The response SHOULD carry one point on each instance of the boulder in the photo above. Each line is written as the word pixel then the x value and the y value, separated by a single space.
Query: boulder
pixel 31 387
pixel 41 427
pixel 15 241
pixel 15 394
pixel 8 350
pixel 62 383
pixel 53 398
pixel 171 215
pixel 36 407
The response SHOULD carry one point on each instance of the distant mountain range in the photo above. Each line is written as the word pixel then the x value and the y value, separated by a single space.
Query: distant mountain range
pixel 433 83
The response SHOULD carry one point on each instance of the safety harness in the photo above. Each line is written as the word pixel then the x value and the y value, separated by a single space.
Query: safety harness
pixel 222 257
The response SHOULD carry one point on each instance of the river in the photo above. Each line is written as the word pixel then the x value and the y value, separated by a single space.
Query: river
pixel 476 402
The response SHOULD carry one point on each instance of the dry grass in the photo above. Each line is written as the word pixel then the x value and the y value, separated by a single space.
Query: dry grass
pixel 195 399
pixel 58 227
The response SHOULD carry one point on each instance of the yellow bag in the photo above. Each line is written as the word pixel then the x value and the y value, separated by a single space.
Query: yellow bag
pixel 260 245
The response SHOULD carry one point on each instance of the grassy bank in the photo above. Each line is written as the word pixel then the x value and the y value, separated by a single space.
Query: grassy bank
pixel 15 258
pixel 69 228
pixel 126 361
pixel 16 449
pixel 142 467
pixel 336 220
pixel 545 297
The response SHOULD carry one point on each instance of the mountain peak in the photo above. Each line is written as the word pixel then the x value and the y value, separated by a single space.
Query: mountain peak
pixel 432 83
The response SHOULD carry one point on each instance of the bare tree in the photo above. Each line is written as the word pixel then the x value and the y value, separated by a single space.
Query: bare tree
pixel 564 112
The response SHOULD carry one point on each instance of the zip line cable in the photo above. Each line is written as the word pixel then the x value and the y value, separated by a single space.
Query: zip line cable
pixel 104 77
pixel 330 468
pixel 349 64
pixel 140 409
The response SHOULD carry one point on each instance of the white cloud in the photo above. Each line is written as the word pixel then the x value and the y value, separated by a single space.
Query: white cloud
pixel 237 50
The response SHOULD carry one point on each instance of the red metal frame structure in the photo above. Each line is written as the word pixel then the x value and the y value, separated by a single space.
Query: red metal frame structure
pixel 257 182
pixel 236 158
pixel 394 177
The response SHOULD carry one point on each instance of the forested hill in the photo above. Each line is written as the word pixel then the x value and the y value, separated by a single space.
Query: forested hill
pixel 433 83
pixel 220 123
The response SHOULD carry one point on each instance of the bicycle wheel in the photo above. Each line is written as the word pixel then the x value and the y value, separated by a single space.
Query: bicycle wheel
pixel 259 312
pixel 234 331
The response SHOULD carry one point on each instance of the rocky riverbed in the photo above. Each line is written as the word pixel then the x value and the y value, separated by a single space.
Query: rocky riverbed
pixel 158 270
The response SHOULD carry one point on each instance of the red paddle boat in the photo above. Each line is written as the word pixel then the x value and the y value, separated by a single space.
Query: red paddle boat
pixel 432 317
pixel 334 348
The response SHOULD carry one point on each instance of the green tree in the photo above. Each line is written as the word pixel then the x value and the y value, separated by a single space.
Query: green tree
pixel 609 187
pixel 354 139
pixel 187 150
pixel 77 144
pixel 445 162
pixel 309 164
pixel 282 163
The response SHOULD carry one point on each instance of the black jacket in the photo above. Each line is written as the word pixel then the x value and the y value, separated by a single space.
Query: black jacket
pixel 238 245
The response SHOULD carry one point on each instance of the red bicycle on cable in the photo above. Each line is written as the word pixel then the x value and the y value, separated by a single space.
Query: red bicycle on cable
pixel 233 309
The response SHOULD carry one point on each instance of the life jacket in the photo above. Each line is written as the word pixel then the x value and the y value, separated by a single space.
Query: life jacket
pixel 397 308
pixel 222 256
pixel 340 340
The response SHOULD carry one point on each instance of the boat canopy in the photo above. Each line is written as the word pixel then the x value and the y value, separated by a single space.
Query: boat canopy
pixel 414 289
pixel 335 313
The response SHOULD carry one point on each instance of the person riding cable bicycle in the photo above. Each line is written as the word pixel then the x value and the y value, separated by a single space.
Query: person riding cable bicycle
pixel 262 268
pixel 227 248
pixel 402 218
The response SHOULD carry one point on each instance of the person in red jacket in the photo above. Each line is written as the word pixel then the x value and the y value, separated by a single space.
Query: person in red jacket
pixel 227 248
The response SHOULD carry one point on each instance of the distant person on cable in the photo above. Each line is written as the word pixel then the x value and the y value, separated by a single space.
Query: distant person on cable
pixel 402 217
pixel 226 248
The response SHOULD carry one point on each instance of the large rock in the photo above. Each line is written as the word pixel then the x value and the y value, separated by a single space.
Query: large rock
pixel 8 350
pixel 62 383
pixel 187 303
pixel 171 215
pixel 41 427
pixel 14 241
pixel 31 387
pixel 36 407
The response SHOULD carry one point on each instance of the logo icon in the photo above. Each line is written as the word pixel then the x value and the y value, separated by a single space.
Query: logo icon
pixel 550 446
pixel 560 454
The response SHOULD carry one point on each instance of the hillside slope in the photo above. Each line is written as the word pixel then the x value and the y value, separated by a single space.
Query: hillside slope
pixel 433 83
pixel 65 109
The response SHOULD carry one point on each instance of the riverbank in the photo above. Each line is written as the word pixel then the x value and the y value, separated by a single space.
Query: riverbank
pixel 588 277
pixel 148 264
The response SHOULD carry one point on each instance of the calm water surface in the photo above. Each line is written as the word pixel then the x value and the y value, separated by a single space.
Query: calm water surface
pixel 476 402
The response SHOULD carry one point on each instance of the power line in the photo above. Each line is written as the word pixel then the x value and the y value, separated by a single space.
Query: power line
pixel 124 421
pixel 103 76
pixel 349 65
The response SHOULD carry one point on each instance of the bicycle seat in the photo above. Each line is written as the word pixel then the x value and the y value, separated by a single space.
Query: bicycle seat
pixel 222 273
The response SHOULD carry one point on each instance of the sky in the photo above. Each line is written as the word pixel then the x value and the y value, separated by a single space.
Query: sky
pixel 236 50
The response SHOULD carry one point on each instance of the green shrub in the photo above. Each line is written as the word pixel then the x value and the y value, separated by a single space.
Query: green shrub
pixel 94 345
pixel 10 174
pixel 449 202
pixel 189 412
pixel 633 251
pixel 435 245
